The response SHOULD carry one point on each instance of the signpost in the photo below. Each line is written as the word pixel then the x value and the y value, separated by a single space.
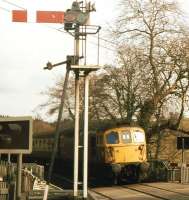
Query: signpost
pixel 16 138
pixel 16 135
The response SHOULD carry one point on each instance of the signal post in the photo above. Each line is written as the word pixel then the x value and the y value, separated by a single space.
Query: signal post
pixel 76 130
pixel 73 19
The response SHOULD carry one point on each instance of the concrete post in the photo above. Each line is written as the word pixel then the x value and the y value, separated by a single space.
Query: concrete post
pixel 85 152
pixel 76 134
pixel 19 176
pixel 9 158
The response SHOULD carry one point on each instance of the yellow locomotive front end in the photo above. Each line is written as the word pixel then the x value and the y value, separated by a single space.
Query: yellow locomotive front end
pixel 124 145
pixel 123 151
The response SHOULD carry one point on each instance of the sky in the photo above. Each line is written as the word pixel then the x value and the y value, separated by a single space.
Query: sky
pixel 25 48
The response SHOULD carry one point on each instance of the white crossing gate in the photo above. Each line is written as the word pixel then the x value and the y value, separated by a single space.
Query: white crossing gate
pixel 184 174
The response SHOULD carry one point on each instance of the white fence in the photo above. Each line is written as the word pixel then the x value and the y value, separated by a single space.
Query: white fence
pixel 184 174
pixel 30 172
pixel 180 174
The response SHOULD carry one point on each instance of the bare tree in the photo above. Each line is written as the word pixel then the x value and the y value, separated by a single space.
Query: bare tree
pixel 154 26
pixel 53 94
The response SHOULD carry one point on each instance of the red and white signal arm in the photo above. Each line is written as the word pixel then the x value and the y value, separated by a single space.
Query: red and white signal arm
pixel 16 135
pixel 50 17
pixel 19 16
pixel 41 16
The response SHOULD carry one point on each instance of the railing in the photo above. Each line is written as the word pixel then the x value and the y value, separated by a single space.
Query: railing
pixel 4 191
pixel 37 170
pixel 28 180
pixel 179 174
pixel 30 173
pixel 9 170
pixel 174 175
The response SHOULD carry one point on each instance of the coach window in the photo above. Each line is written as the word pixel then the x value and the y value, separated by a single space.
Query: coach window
pixel 112 138
pixel 126 137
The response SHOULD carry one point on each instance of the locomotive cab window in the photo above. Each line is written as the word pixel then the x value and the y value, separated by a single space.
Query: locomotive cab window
pixel 126 137
pixel 138 136
pixel 112 138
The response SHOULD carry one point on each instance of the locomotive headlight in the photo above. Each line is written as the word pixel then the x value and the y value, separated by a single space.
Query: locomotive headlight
pixel 116 168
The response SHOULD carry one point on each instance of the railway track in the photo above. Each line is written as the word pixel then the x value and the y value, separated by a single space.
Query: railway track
pixel 62 181
pixel 167 190
pixel 140 191
pixel 99 195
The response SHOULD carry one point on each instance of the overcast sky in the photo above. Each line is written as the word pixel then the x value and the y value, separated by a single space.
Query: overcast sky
pixel 25 49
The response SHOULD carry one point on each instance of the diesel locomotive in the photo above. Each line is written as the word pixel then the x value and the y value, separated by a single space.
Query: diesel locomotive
pixel 121 153
pixel 117 154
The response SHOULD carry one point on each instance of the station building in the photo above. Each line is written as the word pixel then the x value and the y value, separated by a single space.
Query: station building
pixel 171 145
